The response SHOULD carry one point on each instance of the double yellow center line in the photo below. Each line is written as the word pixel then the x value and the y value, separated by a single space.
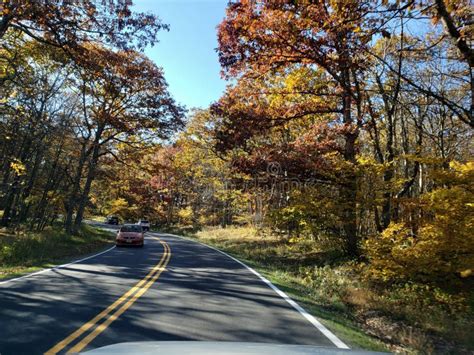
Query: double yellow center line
pixel 112 312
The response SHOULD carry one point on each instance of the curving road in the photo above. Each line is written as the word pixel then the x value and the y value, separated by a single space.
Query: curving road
pixel 172 289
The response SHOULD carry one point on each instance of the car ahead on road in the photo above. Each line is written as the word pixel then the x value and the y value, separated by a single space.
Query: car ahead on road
pixel 112 220
pixel 145 224
pixel 130 234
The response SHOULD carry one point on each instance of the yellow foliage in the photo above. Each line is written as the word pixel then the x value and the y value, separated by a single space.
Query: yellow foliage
pixel 441 243
pixel 119 207
pixel 185 215
pixel 18 167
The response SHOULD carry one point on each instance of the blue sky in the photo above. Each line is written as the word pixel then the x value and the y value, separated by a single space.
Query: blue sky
pixel 187 52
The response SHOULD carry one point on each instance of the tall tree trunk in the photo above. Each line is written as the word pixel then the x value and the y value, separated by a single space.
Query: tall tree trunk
pixel 388 175
pixel 25 206
pixel 9 211
pixel 52 180
pixel 418 121
pixel 72 200
pixel 350 184
pixel 90 177
pixel 5 23
pixel 8 207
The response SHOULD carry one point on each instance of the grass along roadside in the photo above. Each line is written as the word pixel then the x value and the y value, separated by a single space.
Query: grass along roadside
pixel 409 318
pixel 23 252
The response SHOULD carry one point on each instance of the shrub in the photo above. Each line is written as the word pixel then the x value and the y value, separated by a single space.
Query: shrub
pixel 186 215
pixel 439 243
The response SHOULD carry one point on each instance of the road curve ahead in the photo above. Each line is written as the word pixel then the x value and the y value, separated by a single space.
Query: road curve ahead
pixel 172 289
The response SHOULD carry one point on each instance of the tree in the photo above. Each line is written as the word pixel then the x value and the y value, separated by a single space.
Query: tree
pixel 68 24
pixel 124 95
pixel 446 46
pixel 33 112
pixel 62 117
pixel 436 244
pixel 256 38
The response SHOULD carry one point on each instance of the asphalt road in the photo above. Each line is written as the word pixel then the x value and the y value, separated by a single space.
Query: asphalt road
pixel 172 289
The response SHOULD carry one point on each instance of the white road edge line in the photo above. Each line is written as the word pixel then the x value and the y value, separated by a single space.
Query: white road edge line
pixel 56 267
pixel 330 335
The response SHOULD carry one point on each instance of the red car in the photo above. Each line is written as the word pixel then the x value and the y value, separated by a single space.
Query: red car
pixel 130 234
